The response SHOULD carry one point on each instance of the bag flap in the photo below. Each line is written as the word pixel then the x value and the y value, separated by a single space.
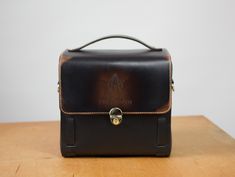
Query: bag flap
pixel 94 81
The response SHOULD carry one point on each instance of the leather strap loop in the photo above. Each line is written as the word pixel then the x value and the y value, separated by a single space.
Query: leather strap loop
pixel 116 36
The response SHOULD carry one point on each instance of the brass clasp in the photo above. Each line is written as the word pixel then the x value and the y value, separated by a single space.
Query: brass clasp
pixel 115 115
pixel 58 87
pixel 172 85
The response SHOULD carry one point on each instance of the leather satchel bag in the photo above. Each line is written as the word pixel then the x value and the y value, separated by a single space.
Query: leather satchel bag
pixel 115 102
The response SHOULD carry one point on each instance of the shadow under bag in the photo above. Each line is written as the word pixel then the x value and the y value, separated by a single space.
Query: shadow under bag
pixel 115 102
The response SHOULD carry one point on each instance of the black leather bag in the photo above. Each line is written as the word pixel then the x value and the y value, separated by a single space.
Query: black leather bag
pixel 115 102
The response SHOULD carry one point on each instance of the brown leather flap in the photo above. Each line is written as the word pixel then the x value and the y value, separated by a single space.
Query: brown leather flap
pixel 94 81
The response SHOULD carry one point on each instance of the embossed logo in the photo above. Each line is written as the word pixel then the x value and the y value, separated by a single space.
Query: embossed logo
pixel 115 82
pixel 115 91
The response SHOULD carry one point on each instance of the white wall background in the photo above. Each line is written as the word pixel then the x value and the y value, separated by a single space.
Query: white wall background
pixel 200 35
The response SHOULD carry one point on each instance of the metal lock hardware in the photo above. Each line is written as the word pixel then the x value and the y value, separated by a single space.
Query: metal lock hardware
pixel 115 115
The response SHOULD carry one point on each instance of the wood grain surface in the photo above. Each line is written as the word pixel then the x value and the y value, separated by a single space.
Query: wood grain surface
pixel 199 149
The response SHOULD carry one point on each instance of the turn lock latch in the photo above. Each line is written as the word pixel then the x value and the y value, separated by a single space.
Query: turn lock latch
pixel 115 115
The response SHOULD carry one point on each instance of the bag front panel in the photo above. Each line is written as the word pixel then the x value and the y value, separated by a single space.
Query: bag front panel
pixel 83 135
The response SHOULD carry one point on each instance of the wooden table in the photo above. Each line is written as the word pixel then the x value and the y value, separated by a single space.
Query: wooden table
pixel 199 149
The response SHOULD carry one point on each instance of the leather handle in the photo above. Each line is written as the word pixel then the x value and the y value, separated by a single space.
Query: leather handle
pixel 116 36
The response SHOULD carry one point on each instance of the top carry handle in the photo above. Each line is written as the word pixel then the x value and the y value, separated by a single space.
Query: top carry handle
pixel 116 36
